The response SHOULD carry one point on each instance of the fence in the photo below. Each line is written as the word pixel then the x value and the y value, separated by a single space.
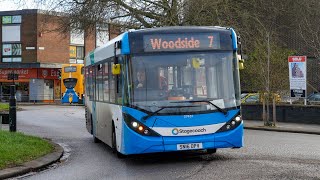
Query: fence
pixel 285 113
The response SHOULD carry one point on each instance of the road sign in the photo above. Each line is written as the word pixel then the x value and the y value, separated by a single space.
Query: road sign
pixel 298 76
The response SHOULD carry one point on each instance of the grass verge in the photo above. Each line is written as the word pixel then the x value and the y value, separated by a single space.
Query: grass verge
pixel 17 148
pixel 4 107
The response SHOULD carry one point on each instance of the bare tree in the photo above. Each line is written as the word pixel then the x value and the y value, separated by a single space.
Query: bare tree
pixel 261 24
pixel 85 14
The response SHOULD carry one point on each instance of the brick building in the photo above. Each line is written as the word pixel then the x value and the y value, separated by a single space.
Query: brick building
pixel 32 50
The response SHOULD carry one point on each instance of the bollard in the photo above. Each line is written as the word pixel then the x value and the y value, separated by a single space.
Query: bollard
pixel 12 110
pixel 0 123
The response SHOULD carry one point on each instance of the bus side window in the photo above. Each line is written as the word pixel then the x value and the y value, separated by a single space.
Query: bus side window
pixel 91 83
pixel 112 87
pixel 119 79
pixel 100 82
pixel 106 83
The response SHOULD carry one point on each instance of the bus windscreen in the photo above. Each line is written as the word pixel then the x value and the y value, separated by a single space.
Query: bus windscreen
pixel 70 83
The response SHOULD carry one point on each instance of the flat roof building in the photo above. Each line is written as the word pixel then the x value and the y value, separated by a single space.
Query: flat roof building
pixel 32 48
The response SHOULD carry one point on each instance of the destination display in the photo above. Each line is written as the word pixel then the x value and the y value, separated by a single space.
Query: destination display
pixel 70 69
pixel 181 42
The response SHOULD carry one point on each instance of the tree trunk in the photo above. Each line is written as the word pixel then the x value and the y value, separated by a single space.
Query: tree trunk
pixel 274 112
pixel 264 110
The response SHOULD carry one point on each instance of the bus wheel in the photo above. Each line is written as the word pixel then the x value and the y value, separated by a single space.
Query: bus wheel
pixel 211 151
pixel 114 144
pixel 96 140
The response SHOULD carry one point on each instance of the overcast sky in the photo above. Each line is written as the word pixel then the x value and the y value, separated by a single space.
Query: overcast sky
pixel 7 5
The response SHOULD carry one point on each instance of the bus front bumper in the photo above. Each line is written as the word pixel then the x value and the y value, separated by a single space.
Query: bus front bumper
pixel 134 143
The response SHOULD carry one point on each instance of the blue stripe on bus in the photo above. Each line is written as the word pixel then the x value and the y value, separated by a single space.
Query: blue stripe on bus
pixel 125 48
pixel 234 40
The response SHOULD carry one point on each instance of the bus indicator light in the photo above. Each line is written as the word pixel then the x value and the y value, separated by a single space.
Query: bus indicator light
pixel 140 128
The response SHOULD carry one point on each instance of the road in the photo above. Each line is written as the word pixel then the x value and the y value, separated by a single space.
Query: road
pixel 266 155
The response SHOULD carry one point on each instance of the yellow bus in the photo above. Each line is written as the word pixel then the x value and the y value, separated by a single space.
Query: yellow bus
pixel 72 83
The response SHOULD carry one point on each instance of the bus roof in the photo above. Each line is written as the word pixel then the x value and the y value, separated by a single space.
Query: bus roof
pixel 174 29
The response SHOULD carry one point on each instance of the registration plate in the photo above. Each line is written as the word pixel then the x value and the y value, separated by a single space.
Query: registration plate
pixel 189 146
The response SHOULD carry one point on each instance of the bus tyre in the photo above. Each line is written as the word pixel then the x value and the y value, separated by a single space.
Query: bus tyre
pixel 114 144
pixel 96 140
pixel 211 151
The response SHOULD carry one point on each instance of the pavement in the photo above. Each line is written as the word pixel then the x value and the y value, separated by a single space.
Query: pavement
pixel 55 156
pixel 283 127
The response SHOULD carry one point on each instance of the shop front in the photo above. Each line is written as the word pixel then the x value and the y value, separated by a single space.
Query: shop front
pixel 32 85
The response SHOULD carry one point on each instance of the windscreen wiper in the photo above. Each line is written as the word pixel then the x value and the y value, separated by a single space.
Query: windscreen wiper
pixel 161 108
pixel 207 101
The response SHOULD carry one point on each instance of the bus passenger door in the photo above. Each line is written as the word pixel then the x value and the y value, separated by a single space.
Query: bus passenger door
pixel 117 110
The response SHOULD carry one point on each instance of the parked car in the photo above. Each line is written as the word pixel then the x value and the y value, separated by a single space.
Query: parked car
pixel 250 98
pixel 255 98
pixel 314 99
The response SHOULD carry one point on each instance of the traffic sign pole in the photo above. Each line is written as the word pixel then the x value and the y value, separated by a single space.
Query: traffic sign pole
pixel 12 110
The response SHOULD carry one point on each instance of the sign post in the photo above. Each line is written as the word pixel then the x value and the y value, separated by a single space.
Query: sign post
pixel 298 76
pixel 12 110
pixel 12 76
pixel 12 103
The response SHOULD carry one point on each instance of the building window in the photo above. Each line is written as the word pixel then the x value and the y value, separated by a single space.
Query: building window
pixel 80 52
pixel 12 59
pixel 77 37
pixel 11 33
pixel 11 49
pixel 11 37
pixel 76 53
pixel 11 52
pixel 73 52
pixel 11 19
pixel 102 34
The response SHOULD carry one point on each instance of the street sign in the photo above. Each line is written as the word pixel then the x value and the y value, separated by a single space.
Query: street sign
pixel 298 76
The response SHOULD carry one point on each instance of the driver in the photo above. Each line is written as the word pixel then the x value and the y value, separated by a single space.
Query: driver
pixel 141 79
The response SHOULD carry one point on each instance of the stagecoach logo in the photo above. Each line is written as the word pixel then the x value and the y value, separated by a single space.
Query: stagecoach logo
pixel 177 131
pixel 44 73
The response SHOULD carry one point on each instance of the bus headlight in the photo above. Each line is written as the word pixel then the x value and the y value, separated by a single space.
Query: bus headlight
pixel 232 124
pixel 238 118
pixel 137 126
